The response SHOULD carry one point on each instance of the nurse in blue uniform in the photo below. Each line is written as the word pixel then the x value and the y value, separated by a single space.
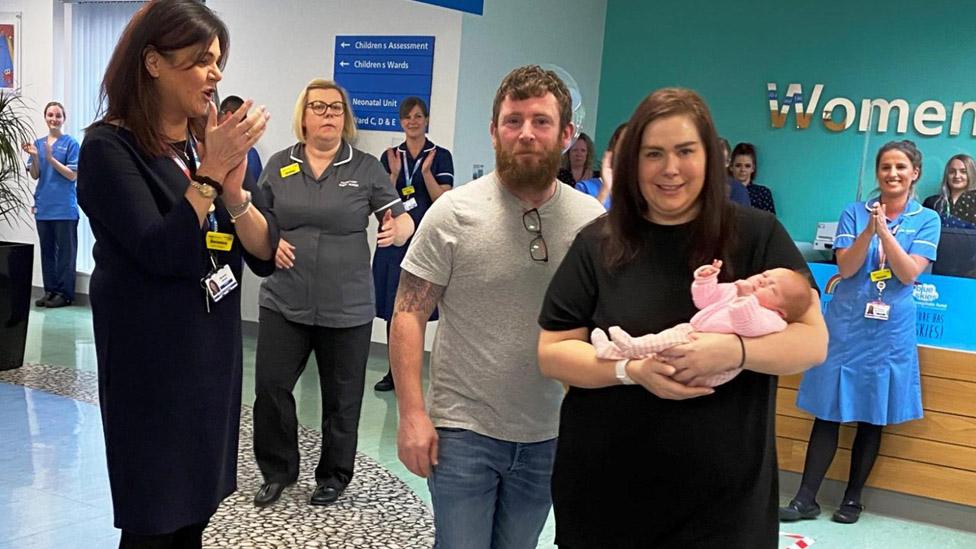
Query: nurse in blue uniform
pixel 871 373
pixel 53 162
pixel 421 173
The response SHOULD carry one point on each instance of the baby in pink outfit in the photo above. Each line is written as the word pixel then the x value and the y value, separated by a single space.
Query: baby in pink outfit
pixel 751 307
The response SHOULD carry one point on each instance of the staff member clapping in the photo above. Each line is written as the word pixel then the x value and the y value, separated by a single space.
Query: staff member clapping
pixel 322 192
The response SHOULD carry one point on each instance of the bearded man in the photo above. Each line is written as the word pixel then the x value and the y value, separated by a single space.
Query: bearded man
pixel 485 254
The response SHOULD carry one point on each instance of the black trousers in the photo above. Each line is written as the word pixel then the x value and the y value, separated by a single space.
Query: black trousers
pixel 59 252
pixel 283 351
pixel 188 537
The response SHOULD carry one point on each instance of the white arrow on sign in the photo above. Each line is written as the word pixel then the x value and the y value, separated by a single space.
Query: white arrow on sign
pixel 344 44
pixel 342 63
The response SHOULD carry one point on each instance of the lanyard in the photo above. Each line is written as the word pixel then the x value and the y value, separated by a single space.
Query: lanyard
pixel 881 253
pixel 189 171
pixel 880 284
pixel 408 175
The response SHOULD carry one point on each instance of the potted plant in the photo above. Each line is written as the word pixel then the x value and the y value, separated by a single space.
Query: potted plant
pixel 16 259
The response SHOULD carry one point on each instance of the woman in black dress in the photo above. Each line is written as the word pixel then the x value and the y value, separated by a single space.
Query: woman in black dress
pixel 157 176
pixel 644 459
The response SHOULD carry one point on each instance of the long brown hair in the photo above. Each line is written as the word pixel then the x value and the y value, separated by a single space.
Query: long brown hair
pixel 712 230
pixel 128 93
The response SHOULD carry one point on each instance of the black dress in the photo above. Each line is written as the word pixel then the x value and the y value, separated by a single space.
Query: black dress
pixel 635 470
pixel 169 372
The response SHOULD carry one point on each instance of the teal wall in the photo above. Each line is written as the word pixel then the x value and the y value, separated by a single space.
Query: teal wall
pixel 728 52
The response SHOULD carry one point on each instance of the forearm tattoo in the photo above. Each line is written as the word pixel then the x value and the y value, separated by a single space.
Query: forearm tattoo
pixel 416 295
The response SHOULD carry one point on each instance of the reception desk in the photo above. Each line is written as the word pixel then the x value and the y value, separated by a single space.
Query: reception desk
pixel 934 457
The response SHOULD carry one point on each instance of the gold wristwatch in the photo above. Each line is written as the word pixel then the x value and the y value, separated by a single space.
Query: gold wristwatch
pixel 205 190
pixel 206 186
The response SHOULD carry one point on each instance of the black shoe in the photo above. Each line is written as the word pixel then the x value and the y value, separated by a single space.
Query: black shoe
pixel 269 493
pixel 57 301
pixel 797 511
pixel 848 513
pixel 385 384
pixel 325 495
pixel 42 302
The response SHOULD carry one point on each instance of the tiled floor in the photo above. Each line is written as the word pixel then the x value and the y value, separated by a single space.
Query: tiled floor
pixel 54 490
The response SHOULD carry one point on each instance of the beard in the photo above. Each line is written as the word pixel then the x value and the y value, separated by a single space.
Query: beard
pixel 527 173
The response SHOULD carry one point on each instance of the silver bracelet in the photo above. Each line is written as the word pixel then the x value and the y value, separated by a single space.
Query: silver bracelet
pixel 238 210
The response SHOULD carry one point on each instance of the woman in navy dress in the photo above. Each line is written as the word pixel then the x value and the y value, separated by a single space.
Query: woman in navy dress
pixel 744 169
pixel 156 175
pixel 421 173
pixel 871 373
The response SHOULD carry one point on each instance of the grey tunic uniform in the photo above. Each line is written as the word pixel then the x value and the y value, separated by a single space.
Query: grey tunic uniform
pixel 325 219
pixel 324 303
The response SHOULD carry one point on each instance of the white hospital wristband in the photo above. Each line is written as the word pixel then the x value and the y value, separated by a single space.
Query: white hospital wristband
pixel 620 370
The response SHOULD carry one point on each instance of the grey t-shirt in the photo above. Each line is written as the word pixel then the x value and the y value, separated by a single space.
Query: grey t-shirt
pixel 325 219
pixel 484 372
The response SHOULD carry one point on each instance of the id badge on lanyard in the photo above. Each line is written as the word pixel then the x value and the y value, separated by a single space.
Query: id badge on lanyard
pixel 877 309
pixel 220 280
pixel 408 176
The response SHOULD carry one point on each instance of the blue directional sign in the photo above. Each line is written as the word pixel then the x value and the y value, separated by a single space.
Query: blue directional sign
pixel 476 7
pixel 380 71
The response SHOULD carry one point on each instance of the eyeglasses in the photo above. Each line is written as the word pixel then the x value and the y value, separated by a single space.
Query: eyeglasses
pixel 537 248
pixel 321 107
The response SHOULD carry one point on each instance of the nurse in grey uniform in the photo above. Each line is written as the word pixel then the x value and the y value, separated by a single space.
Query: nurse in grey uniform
pixel 321 191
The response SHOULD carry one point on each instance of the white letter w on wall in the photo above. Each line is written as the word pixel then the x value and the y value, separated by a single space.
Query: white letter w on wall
pixel 794 98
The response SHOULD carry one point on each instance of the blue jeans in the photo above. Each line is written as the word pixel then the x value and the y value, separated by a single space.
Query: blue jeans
pixel 489 493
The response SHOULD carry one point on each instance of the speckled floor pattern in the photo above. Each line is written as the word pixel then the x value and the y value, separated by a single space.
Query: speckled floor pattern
pixel 376 510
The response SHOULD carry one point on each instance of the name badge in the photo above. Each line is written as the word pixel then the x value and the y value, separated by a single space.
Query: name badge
pixel 219 283
pixel 880 274
pixel 877 310
pixel 408 190
pixel 290 169
pixel 409 204
pixel 219 241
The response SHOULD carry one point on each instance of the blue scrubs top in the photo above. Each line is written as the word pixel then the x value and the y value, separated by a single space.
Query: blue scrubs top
pixel 871 372
pixel 592 188
pixel 254 163
pixel 386 261
pixel 56 197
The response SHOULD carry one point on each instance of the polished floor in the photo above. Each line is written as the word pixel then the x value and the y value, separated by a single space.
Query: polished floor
pixel 54 490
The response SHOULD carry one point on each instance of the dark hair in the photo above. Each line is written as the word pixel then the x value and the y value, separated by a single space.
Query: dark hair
pixel 409 103
pixel 64 113
pixel 725 145
pixel 908 148
pixel 590 153
pixel 712 229
pixel 231 103
pixel 128 93
pixel 534 81
pixel 616 136
pixel 745 149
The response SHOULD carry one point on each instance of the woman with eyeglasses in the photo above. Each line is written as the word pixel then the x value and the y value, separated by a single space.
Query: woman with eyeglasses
pixel 421 172
pixel 321 191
